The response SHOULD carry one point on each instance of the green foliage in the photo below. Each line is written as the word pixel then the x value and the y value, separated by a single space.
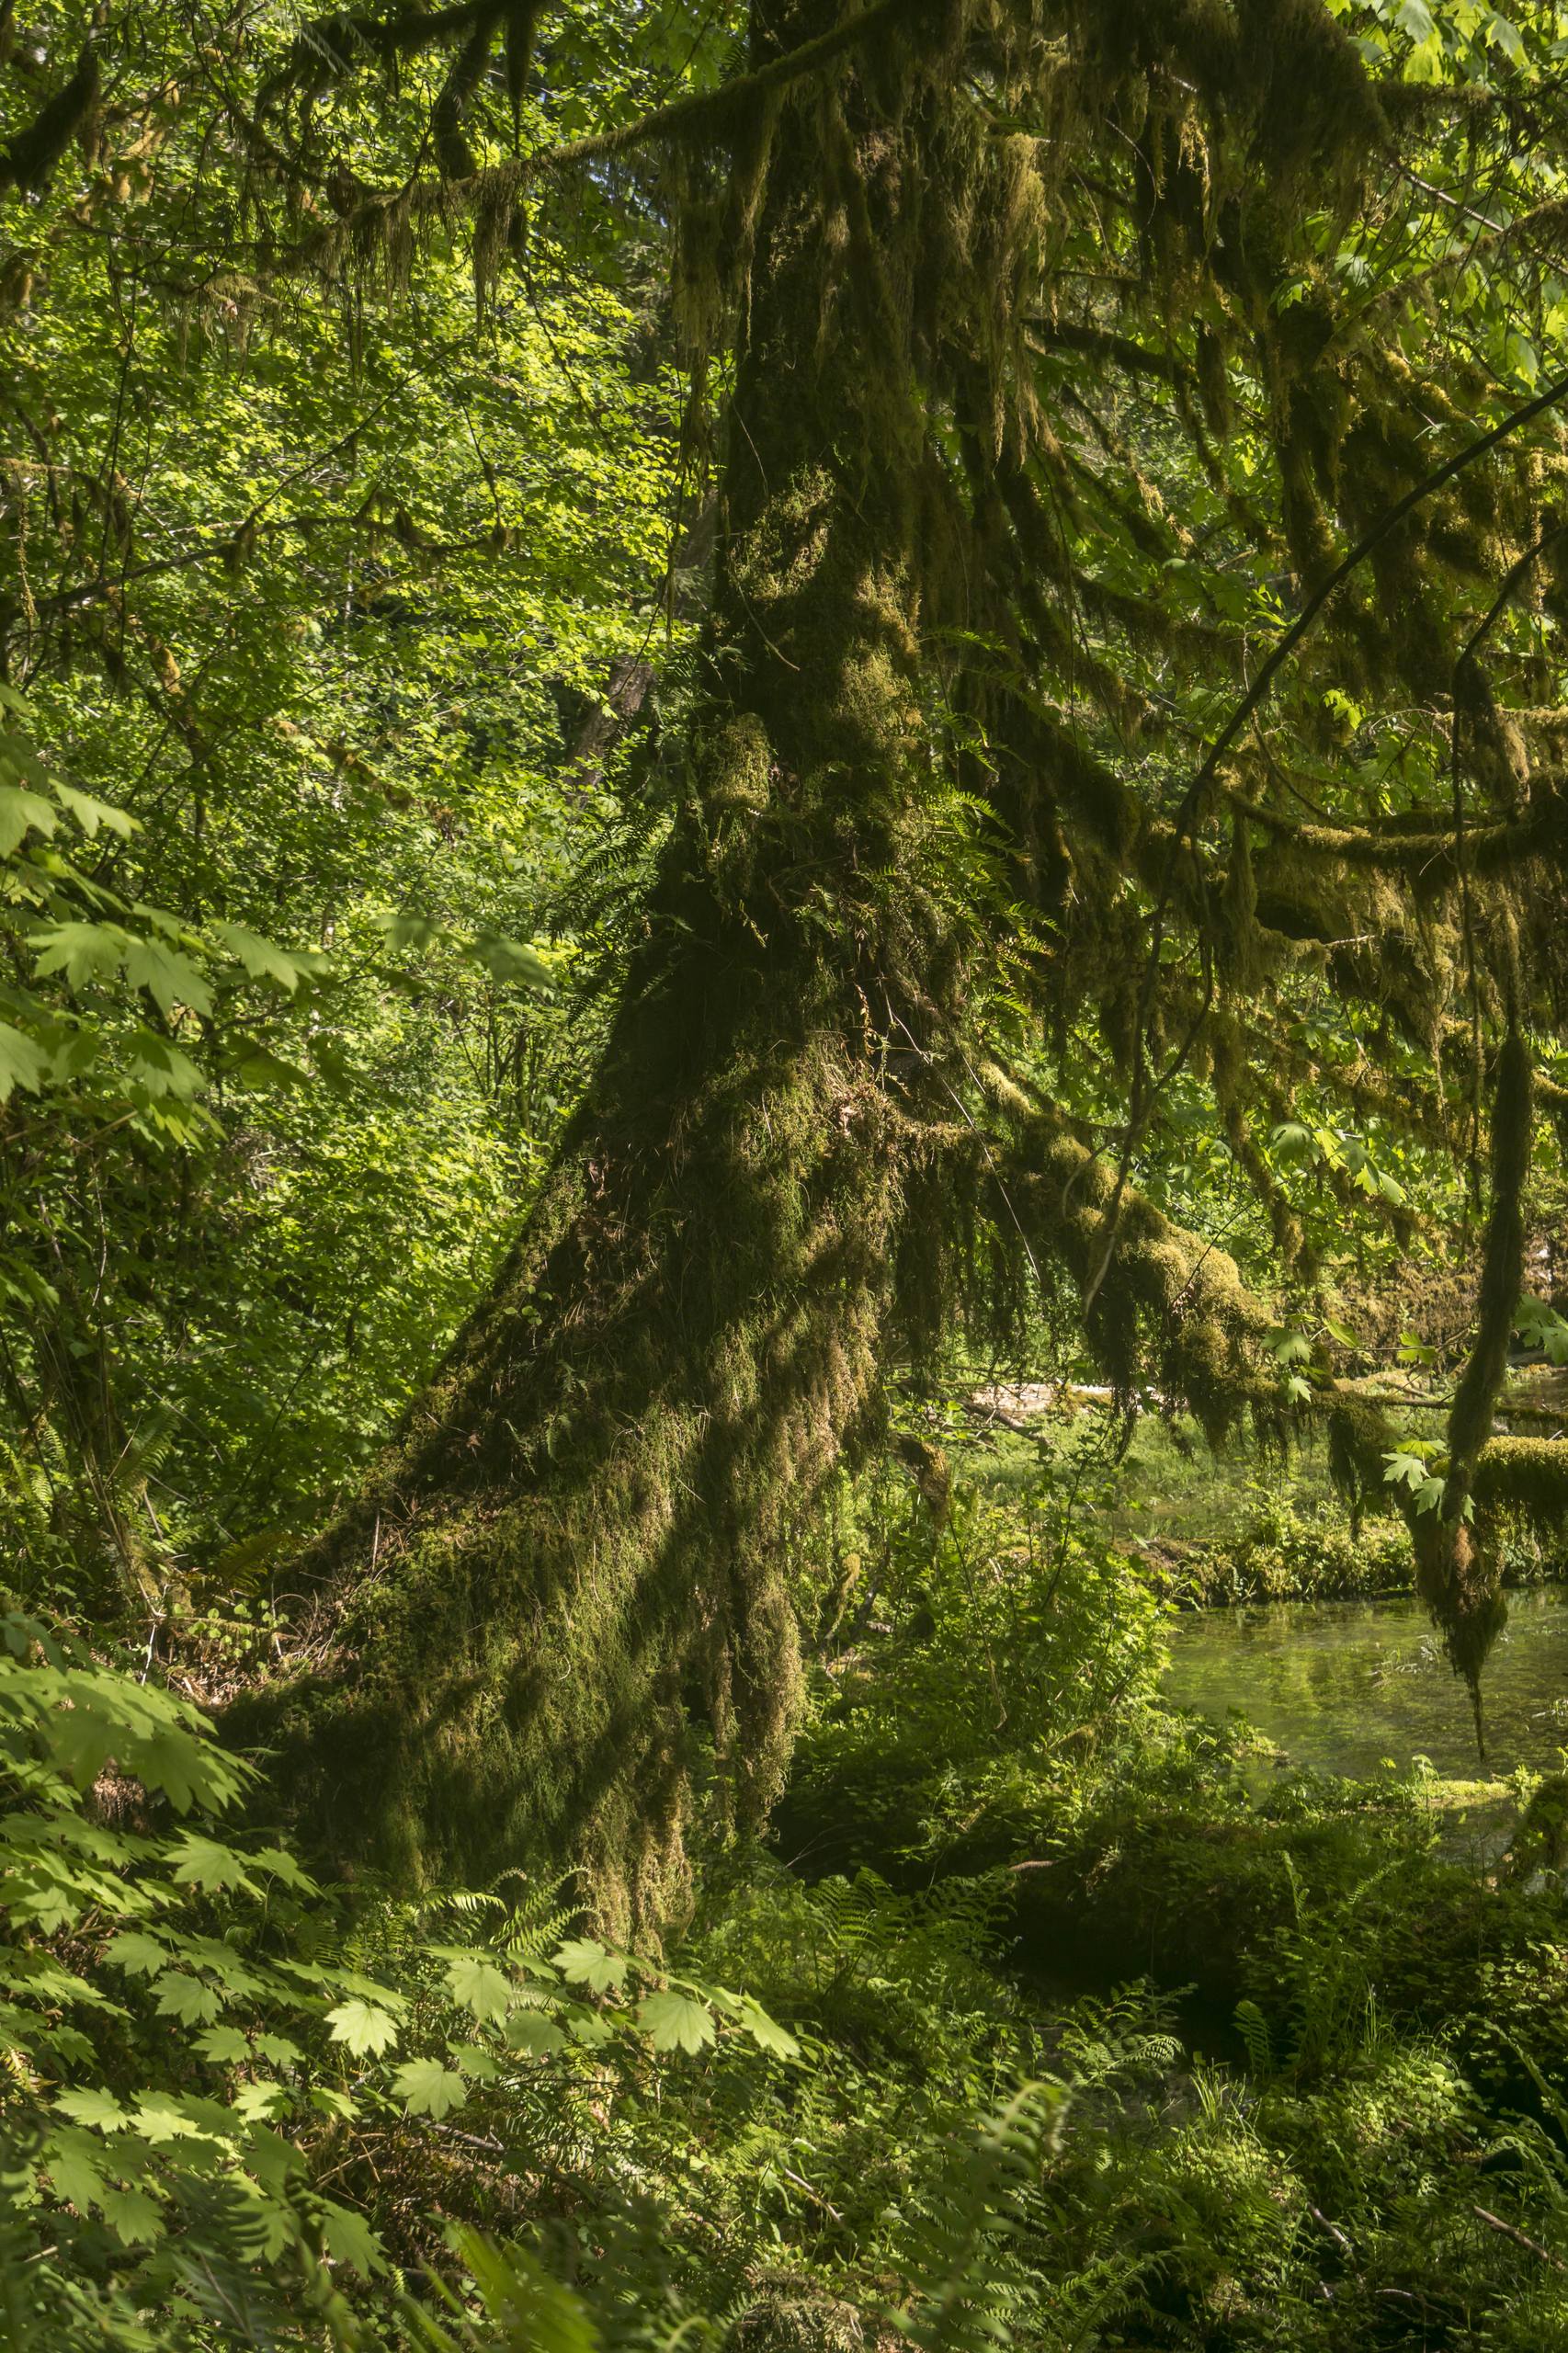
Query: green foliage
pixel 521 2308
pixel 190 2059
pixel 159 2186
pixel 316 602
pixel 973 2293
pixel 244 2108
pixel 1415 1471
pixel 347 635
pixel 1540 1326
pixel 1002 1638
pixel 1290 1549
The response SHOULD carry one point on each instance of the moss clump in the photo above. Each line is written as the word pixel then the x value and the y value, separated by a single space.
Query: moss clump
pixel 1170 1309
pixel 1502 1273
pixel 1291 1556
pixel 1524 1481
pixel 561 1609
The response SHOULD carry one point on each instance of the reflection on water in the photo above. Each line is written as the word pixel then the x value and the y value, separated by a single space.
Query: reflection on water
pixel 1342 1684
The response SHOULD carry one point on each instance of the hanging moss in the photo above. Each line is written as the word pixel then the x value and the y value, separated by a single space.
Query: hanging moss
pixel 1458 1569
pixel 1502 1271
pixel 1170 1310
pixel 1237 934
pixel 1361 1438
pixel 562 1604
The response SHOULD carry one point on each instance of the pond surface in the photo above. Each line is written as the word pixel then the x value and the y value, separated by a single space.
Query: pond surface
pixel 1341 1686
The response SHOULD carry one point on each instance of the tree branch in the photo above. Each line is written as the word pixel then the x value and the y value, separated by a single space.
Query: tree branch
pixel 712 108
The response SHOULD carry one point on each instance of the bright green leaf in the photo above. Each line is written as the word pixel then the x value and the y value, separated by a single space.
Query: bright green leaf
pixel 480 1986
pixel 189 1999
pixel 92 814
pixel 169 978
pixel 206 1863
pixel 224 2045
pixel 764 2030
pixel 349 2238
pixel 363 2028
pixel 584 1962
pixel 674 2022
pixel 426 2089
pixel 99 2110
pixel 140 1955
pixel 22 1064
pixel 135 2219
pixel 534 2033
pixel 22 813
pixel 83 952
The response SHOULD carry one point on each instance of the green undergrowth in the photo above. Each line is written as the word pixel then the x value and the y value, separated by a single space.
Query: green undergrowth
pixel 1287 1551
pixel 1040 2021
pixel 1213 1528
pixel 1244 1528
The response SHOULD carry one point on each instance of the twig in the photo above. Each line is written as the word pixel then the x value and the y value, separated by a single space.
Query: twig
pixel 486 2142
pixel 814 2195
pixel 1335 2233
pixel 1521 2238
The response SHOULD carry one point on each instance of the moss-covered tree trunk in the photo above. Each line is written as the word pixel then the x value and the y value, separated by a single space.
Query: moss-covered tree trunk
pixel 577 1555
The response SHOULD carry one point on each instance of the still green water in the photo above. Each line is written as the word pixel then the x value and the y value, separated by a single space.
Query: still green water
pixel 1342 1686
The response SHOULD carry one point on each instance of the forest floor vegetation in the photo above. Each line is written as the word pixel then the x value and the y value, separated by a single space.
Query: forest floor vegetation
pixel 1039 2021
